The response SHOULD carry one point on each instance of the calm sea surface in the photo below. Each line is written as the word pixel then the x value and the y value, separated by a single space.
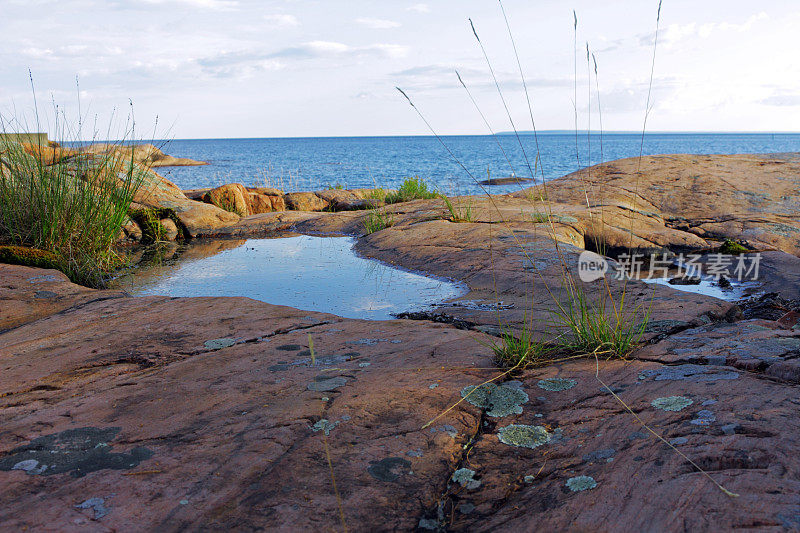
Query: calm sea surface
pixel 314 163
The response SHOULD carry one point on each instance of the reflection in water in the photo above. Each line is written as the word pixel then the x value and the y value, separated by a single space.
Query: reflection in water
pixel 312 273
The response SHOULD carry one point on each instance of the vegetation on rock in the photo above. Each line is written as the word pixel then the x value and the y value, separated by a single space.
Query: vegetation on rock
pixel 66 202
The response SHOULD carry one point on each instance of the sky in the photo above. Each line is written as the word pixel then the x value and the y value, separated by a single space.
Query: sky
pixel 298 68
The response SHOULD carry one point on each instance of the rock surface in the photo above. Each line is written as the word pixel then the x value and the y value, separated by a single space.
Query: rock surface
pixel 215 413
pixel 144 154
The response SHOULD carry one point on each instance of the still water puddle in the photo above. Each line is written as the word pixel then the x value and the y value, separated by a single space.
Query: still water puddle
pixel 710 287
pixel 311 273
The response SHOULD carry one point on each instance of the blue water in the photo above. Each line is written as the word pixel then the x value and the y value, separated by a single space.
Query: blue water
pixel 315 163
pixel 311 273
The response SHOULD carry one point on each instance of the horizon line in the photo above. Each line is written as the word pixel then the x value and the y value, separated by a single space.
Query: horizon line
pixel 501 133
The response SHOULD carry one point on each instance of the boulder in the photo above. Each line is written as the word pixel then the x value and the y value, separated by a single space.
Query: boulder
pixel 259 203
pixel 199 218
pixel 269 191
pixel 232 197
pixel 145 154
pixel 132 231
pixel 170 229
pixel 505 181
pixel 278 202
pixel 346 200
pixel 305 201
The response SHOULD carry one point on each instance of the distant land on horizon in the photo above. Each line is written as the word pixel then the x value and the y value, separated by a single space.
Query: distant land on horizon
pixel 504 133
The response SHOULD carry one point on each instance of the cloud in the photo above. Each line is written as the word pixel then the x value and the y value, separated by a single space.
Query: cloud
pixel 200 4
pixel 431 77
pixel 378 24
pixel 244 63
pixel 782 100
pixel 419 8
pixel 675 33
pixel 282 20
pixel 317 49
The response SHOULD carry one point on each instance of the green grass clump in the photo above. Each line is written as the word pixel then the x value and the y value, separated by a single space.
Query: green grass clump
pixel 730 247
pixel 378 219
pixel 540 218
pixel 411 189
pixel 459 213
pixel 68 203
pixel 521 350
pixel 379 194
pixel 607 328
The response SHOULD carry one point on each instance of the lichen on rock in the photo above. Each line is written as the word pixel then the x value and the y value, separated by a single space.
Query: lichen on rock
pixel 671 403
pixel 218 344
pixel 466 478
pixel 523 436
pixel 581 483
pixel 498 400
pixel 324 425
pixel 556 384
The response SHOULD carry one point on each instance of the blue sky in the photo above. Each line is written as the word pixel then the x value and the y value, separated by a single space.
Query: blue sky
pixel 242 68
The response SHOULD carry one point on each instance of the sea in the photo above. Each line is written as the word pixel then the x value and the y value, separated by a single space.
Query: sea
pixel 452 164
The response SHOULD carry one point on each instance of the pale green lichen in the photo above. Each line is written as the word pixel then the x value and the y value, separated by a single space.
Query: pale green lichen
pixel 324 425
pixel 523 436
pixel 498 400
pixel 466 478
pixel 581 483
pixel 556 384
pixel 671 403
pixel 218 344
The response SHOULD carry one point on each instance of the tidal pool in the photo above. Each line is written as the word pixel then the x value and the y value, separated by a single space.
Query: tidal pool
pixel 310 273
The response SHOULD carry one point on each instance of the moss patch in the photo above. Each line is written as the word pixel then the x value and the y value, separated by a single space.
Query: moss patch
pixel 523 436
pixel 149 219
pixel 731 247
pixel 20 255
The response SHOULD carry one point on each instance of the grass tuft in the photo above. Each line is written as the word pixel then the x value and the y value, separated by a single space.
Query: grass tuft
pixel 730 247
pixel 65 201
pixel 378 219
pixel 606 328
pixel 519 351
pixel 411 189
pixel 461 212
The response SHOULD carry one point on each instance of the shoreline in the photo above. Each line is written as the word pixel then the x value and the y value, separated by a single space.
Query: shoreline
pixel 211 400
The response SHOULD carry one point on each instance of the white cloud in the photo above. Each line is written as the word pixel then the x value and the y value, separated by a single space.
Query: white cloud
pixel 388 50
pixel 378 24
pixel 282 20
pixel 677 33
pixel 420 8
pixel 782 100
pixel 201 4
pixel 316 49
